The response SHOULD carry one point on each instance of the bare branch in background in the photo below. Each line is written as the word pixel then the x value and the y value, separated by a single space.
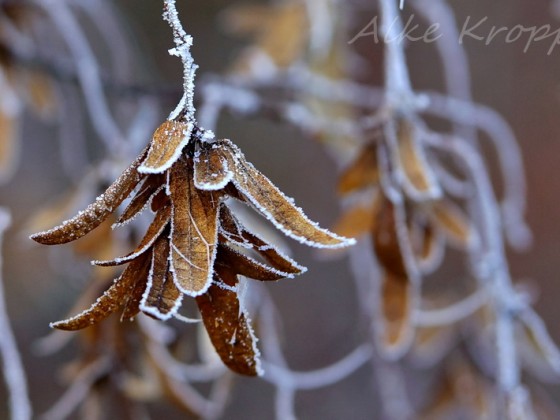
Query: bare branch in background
pixel 12 366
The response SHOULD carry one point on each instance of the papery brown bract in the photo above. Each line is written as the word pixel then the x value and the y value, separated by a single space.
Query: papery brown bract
pixel 162 297
pixel 122 293
pixel 167 143
pixel 88 219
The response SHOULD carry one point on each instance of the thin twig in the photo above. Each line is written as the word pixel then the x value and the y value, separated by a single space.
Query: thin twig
pixel 14 374
pixel 183 43
pixel 79 390
pixel 87 70
pixel 452 313
pixel 321 377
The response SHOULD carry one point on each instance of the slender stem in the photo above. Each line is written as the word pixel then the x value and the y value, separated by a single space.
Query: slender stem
pixel 491 268
pixel 183 44
pixel 454 60
pixel 20 406
pixel 452 313
pixel 87 70
pixel 397 79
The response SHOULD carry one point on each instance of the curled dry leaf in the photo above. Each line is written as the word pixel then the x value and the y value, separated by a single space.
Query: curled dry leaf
pixel 228 327
pixel 88 219
pixel 357 220
pixel 162 298
pixel 462 393
pixel 145 196
pixel 111 300
pixel 211 171
pixel 386 241
pixel 396 308
pixel 399 295
pixel 453 222
pixel 259 191
pixel 247 266
pixel 155 229
pixel 431 345
pixel 419 180
pixel 168 142
pixel 237 235
pixel 194 232
pixel 428 245
pixel 363 173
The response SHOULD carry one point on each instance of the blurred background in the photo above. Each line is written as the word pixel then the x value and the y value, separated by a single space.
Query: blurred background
pixel 319 310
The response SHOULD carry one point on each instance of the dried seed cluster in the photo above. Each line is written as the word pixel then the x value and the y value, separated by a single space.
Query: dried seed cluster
pixel 195 246
pixel 409 220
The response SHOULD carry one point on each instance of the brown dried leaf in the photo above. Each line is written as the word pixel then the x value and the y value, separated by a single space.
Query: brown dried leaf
pixel 397 310
pixel 194 231
pixel 400 286
pixel 538 344
pixel 150 188
pixel 229 330
pixel 386 240
pixel 40 94
pixel 230 226
pixel 88 219
pixel 443 400
pixel 131 305
pixel 431 345
pixel 162 298
pixel 357 220
pixel 246 266
pixel 9 145
pixel 160 200
pixel 275 206
pixel 119 292
pixel 454 223
pixel 462 393
pixel 362 173
pixel 155 230
pixel 211 170
pixel 238 235
pixel 420 180
pixel 273 256
pixel 168 141
pixel 428 246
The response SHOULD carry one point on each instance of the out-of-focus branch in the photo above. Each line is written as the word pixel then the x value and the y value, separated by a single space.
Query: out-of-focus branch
pixel 14 374
pixel 397 80
pixel 87 70
pixel 454 60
